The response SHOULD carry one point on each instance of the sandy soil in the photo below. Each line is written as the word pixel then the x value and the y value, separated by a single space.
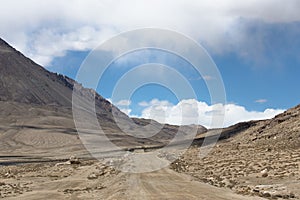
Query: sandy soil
pixel 93 180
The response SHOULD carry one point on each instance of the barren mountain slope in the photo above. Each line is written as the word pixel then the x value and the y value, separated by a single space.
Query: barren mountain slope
pixel 263 159
pixel 36 112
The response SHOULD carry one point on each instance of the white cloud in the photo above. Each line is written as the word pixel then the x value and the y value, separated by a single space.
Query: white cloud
pixel 45 29
pixel 194 112
pixel 261 101
pixel 143 103
pixel 123 105
pixel 126 111
pixel 123 102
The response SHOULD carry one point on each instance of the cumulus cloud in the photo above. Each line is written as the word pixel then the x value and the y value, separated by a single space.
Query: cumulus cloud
pixel 191 111
pixel 47 29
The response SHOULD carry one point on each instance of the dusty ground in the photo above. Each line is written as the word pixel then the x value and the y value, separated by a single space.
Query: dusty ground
pixel 275 174
pixel 93 180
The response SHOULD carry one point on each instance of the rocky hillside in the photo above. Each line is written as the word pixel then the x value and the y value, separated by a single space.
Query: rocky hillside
pixel 23 81
pixel 36 110
pixel 263 159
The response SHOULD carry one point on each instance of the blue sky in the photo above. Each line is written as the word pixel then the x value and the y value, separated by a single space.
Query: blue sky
pixel 255 45
pixel 272 78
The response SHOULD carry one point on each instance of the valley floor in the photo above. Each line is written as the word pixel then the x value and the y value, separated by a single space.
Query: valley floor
pixel 93 180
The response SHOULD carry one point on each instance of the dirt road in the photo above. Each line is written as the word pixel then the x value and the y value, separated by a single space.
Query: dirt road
pixel 97 181
pixel 167 184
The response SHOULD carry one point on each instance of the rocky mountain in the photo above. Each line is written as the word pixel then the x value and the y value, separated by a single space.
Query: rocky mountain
pixel 38 103
pixel 24 81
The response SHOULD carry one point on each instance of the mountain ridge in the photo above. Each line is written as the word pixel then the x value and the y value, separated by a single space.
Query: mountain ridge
pixel 24 82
